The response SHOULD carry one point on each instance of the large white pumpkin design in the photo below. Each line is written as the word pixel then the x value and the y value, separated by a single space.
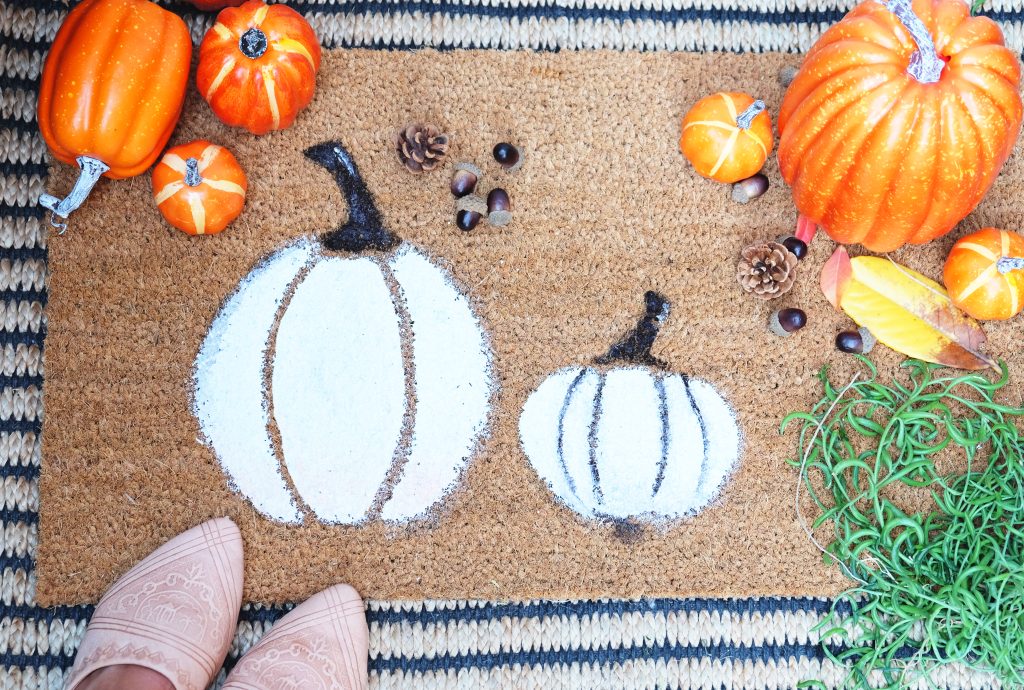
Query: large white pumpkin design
pixel 628 440
pixel 347 375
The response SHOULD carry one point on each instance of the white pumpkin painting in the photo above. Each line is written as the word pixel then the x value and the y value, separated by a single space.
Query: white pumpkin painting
pixel 347 377
pixel 626 440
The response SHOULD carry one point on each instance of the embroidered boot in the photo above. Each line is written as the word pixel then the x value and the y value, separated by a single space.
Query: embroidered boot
pixel 322 644
pixel 174 613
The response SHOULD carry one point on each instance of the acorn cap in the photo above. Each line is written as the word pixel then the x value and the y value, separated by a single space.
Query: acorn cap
pixel 469 167
pixel 499 218
pixel 472 202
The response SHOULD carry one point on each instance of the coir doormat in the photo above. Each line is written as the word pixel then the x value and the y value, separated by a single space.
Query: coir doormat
pixel 581 403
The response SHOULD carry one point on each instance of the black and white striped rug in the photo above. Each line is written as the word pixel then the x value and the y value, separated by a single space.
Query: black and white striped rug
pixel 757 643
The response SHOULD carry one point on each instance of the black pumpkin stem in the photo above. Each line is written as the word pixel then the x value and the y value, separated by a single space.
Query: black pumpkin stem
pixel 635 346
pixel 364 228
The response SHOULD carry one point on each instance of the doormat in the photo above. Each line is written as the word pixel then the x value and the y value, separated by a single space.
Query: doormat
pixel 581 403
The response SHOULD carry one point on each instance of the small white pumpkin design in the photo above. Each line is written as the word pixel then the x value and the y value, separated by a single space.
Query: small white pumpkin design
pixel 347 375
pixel 631 442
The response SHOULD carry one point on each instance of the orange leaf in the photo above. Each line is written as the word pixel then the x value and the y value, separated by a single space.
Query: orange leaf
pixel 835 275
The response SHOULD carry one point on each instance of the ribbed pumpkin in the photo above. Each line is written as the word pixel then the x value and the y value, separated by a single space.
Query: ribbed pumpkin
pixel 727 136
pixel 111 91
pixel 984 274
pixel 257 66
pixel 898 121
pixel 199 187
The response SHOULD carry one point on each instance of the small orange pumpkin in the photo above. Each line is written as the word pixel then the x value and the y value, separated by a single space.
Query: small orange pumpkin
pixel 899 120
pixel 199 187
pixel 257 66
pixel 984 274
pixel 111 91
pixel 727 136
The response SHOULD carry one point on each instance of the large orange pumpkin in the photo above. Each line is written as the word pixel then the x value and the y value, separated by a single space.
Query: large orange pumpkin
pixel 984 274
pixel 899 120
pixel 257 66
pixel 199 187
pixel 111 91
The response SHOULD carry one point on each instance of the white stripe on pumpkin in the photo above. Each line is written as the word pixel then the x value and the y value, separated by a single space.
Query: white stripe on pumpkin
pixel 195 205
pixel 169 190
pixel 225 70
pixel 290 45
pixel 268 82
pixel 225 186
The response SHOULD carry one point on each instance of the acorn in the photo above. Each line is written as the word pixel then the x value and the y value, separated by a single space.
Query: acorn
pixel 467 220
pixel 747 190
pixel 464 179
pixel 858 342
pixel 468 211
pixel 797 246
pixel 786 322
pixel 499 207
pixel 787 74
pixel 509 156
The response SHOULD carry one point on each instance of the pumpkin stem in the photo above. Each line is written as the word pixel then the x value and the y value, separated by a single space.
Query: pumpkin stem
pixel 746 118
pixel 91 171
pixel 253 43
pixel 364 228
pixel 635 346
pixel 925 65
pixel 1007 264
pixel 192 176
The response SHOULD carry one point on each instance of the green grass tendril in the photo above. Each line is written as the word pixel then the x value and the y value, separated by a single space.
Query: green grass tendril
pixel 939 584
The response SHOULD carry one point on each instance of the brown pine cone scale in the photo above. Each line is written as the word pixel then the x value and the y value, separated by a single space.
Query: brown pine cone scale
pixel 767 270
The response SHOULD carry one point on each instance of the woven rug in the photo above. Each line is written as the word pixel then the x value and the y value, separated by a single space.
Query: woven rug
pixel 659 643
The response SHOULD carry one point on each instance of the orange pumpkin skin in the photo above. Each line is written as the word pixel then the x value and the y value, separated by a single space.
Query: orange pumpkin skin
pixel 876 156
pixel 113 84
pixel 257 66
pixel 717 146
pixel 199 187
pixel 974 281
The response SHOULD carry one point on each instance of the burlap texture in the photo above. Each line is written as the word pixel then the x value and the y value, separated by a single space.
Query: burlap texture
pixel 605 208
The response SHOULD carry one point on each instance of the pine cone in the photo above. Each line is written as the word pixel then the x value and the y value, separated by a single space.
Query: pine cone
pixel 421 148
pixel 767 270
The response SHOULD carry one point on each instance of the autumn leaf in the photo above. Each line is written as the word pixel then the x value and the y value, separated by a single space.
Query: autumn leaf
pixel 905 310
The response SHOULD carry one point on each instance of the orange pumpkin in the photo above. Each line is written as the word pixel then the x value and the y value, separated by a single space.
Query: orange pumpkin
pixel 898 121
pixel 199 187
pixel 727 136
pixel 111 91
pixel 257 66
pixel 984 274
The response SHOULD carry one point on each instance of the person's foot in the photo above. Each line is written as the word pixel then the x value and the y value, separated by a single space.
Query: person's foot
pixel 322 644
pixel 170 619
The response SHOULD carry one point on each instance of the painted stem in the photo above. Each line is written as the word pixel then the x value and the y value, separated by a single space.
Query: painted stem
pixel 635 346
pixel 746 118
pixel 365 227
pixel 253 43
pixel 925 65
pixel 91 169
pixel 1008 264
pixel 192 176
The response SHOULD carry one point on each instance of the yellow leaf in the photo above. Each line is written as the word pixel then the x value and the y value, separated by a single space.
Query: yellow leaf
pixel 905 310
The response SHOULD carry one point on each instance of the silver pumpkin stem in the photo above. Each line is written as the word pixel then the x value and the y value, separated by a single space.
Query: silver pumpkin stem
pixel 1008 264
pixel 925 64
pixel 91 171
pixel 746 118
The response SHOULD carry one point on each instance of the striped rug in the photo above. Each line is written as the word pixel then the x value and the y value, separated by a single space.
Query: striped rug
pixel 762 644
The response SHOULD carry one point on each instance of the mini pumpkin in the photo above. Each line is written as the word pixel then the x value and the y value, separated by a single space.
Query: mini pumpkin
pixel 727 136
pixel 111 92
pixel 199 187
pixel 257 66
pixel 899 120
pixel 984 274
